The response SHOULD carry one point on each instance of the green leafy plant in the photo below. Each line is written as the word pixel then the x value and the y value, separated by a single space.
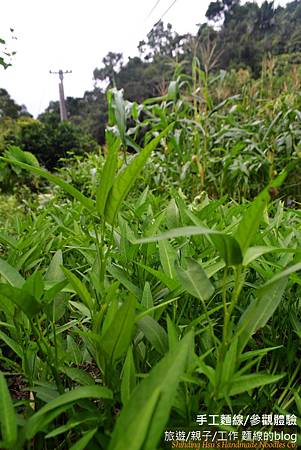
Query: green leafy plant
pixel 129 306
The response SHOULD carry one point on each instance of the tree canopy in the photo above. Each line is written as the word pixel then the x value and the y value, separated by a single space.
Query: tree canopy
pixel 234 36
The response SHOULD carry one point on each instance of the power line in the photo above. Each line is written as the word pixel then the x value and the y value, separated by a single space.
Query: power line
pixel 168 9
pixel 153 8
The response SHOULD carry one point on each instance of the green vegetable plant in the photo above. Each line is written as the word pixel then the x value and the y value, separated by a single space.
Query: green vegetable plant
pixel 130 306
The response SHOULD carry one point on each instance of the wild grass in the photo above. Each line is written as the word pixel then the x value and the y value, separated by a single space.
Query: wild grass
pixel 162 285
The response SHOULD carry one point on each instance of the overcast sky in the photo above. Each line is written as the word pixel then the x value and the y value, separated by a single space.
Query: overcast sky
pixel 76 35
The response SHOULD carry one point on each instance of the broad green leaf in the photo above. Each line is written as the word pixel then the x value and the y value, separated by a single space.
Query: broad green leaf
pixel 260 310
pixel 145 416
pixel 208 371
pixel 228 248
pixel 173 337
pixel 108 173
pixel 172 91
pixel 78 375
pixel 55 281
pixel 76 420
pixel 34 285
pixel 79 288
pixel 57 307
pixel 33 424
pixel 213 268
pixel 16 154
pixel 68 188
pixel 226 245
pixel 73 351
pixel 154 333
pixel 284 274
pixel 12 344
pixel 85 312
pixel 147 298
pixel 143 422
pixel 256 353
pixel 172 215
pixel 121 276
pixel 128 377
pixel 194 280
pixel 26 302
pixel 168 257
pixel 229 363
pixel 249 224
pixel 225 371
pixel 117 105
pixel 111 310
pixel 55 289
pixel 55 272
pixel 168 282
pixel 45 391
pixel 46 419
pixel 253 253
pixel 8 422
pixel 11 275
pixel 6 239
pixel 117 338
pixel 125 180
pixel 246 383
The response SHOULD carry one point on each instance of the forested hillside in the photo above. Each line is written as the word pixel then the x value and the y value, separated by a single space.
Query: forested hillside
pixel 235 36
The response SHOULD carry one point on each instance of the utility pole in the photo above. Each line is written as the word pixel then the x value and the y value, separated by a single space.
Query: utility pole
pixel 63 110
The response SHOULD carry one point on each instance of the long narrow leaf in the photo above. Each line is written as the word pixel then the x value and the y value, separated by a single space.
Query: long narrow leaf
pixel 108 173
pixel 82 443
pixel 128 379
pixel 249 224
pixel 26 302
pixel 33 424
pixel 154 333
pixel 117 338
pixel 146 419
pixel 8 421
pixel 226 245
pixel 127 178
pixel 195 281
pixel 75 193
pixel 260 310
pixel 79 288
pixel 246 383
pixel 11 274
pixel 253 253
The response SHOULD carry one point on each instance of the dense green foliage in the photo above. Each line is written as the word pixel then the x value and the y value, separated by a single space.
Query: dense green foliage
pixel 89 113
pixel 235 36
pixel 137 294
pixel 249 31
pixel 49 141
pixel 9 108
pixel 157 278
